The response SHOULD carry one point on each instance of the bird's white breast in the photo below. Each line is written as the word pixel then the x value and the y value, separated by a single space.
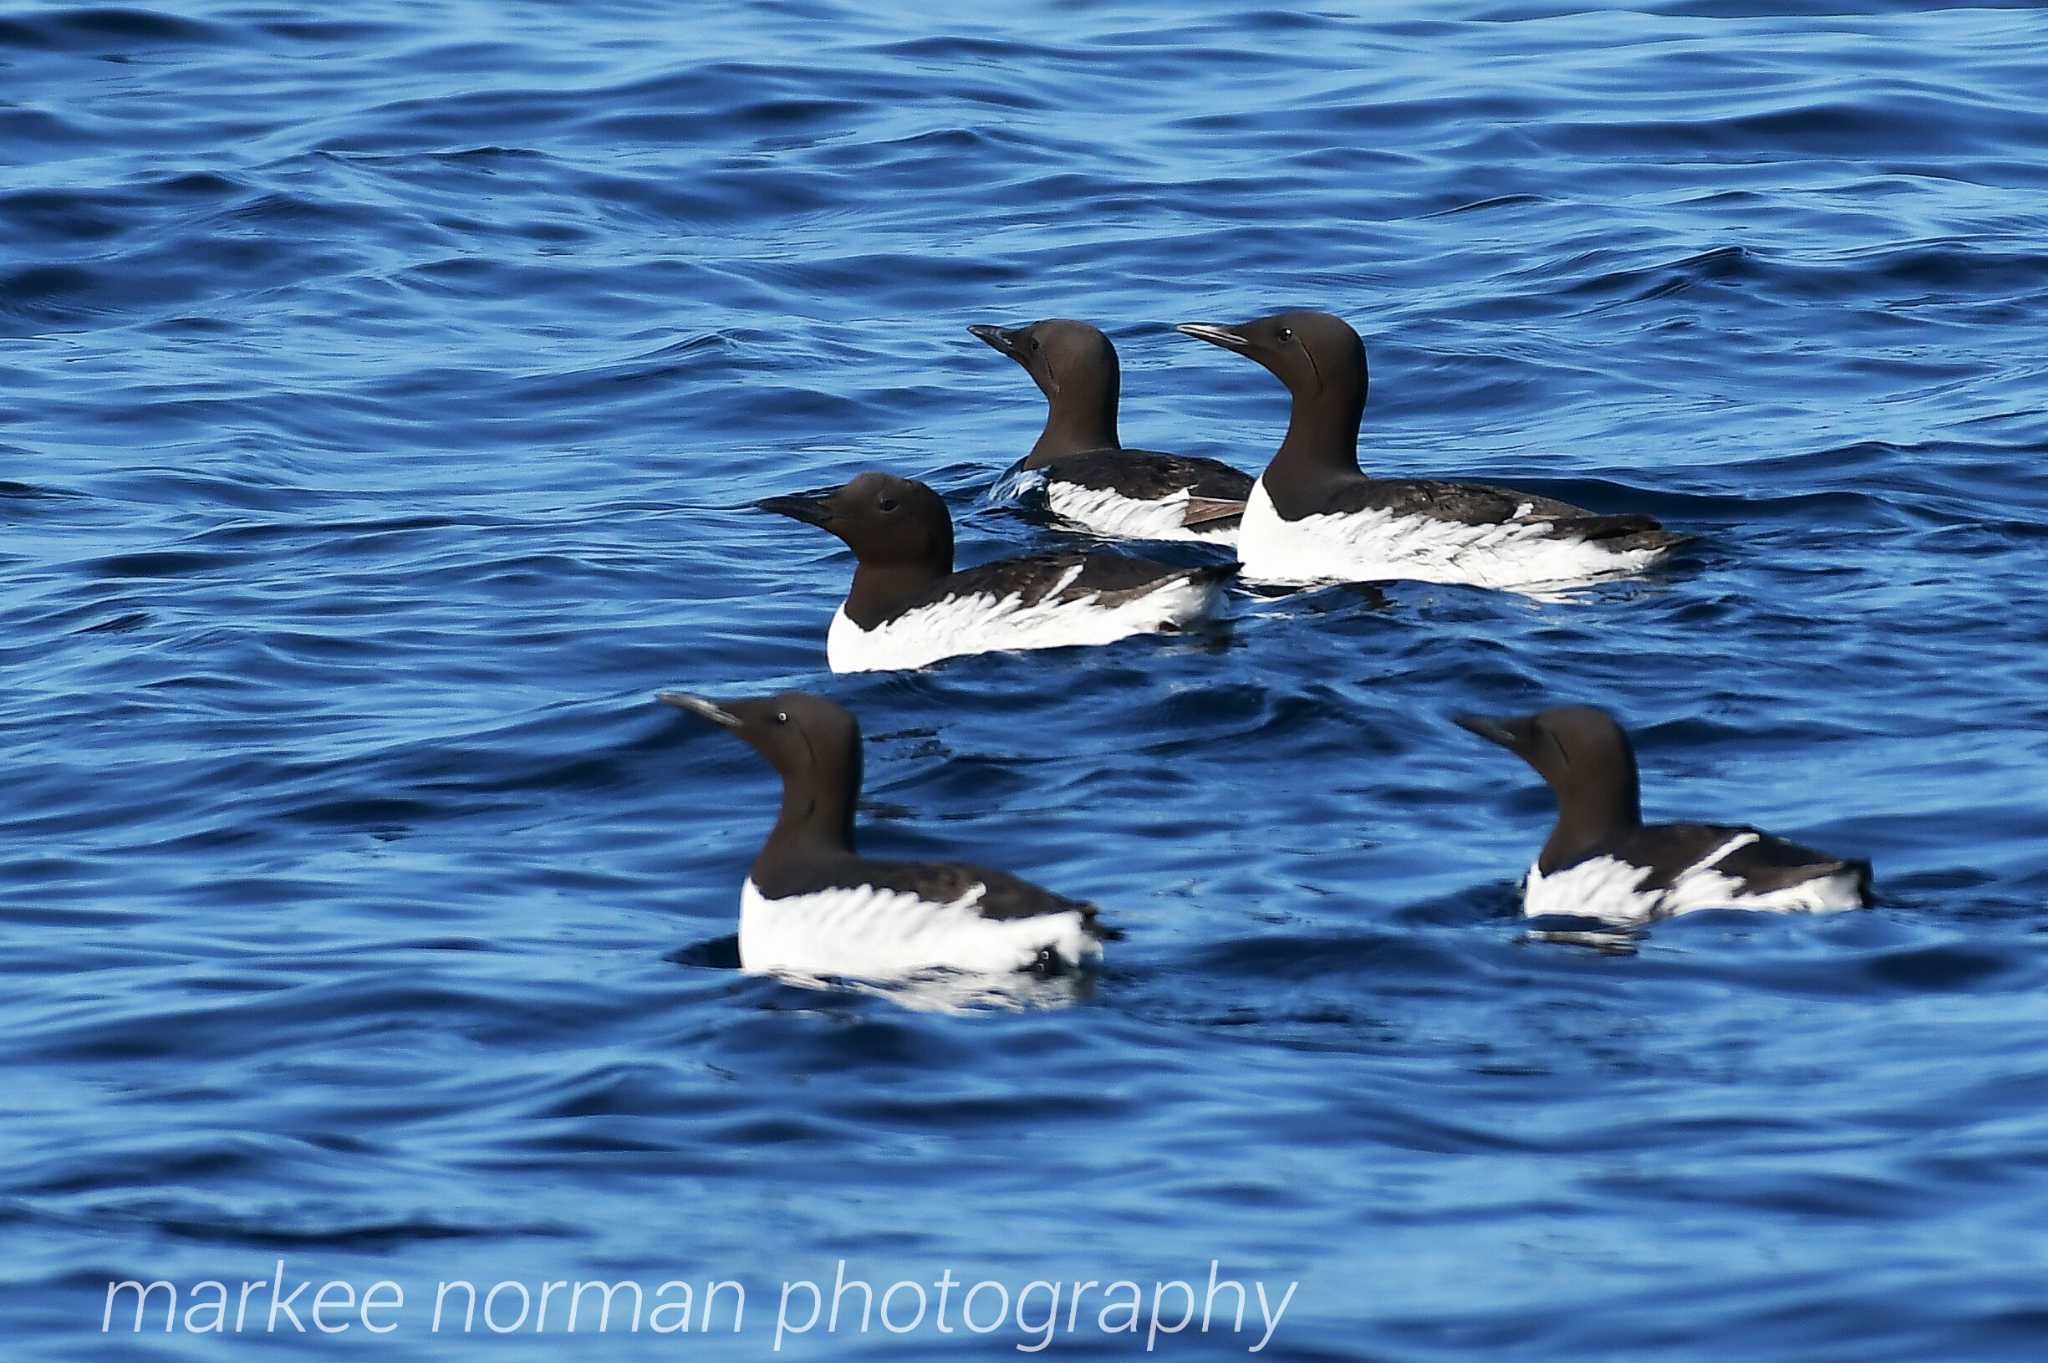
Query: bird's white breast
pixel 1605 887
pixel 1365 546
pixel 873 933
pixel 987 623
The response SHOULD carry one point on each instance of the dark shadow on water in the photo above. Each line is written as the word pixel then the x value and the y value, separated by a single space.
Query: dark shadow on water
pixel 718 953
pixel 1593 934
pixel 1323 597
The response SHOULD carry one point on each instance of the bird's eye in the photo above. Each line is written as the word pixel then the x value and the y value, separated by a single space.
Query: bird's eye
pixel 782 716
pixel 887 504
pixel 1032 342
pixel 1286 335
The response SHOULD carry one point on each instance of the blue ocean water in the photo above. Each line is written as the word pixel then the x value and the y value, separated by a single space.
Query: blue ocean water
pixel 382 394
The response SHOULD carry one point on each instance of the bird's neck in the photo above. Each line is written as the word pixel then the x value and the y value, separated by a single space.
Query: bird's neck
pixel 814 825
pixel 879 589
pixel 1322 435
pixel 1076 423
pixel 1586 818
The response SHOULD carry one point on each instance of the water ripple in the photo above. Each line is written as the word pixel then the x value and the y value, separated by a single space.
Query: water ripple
pixel 384 397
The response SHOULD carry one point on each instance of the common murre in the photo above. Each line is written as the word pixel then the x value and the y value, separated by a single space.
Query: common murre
pixel 1314 517
pixel 1603 861
pixel 908 608
pixel 812 905
pixel 1079 465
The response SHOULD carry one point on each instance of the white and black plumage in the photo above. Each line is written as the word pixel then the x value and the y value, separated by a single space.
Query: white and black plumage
pixel 908 608
pixel 813 906
pixel 1314 517
pixel 1603 861
pixel 1080 468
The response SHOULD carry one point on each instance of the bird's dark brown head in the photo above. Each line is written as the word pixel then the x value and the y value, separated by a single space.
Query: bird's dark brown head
pixel 1060 355
pixel 813 743
pixel 1313 353
pixel 1322 362
pixel 1585 757
pixel 1075 366
pixel 887 521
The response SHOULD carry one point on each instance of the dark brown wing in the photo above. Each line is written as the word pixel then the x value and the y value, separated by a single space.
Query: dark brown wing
pixel 1483 504
pixel 1035 578
pixel 1148 475
pixel 1206 513
pixel 1004 896
pixel 1766 864
pixel 1774 864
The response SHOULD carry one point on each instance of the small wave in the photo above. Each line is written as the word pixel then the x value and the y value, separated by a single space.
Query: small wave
pixel 89 27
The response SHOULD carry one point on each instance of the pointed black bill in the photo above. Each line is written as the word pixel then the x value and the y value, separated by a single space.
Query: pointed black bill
pixel 709 709
pixel 1214 335
pixel 809 510
pixel 996 338
pixel 1494 730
